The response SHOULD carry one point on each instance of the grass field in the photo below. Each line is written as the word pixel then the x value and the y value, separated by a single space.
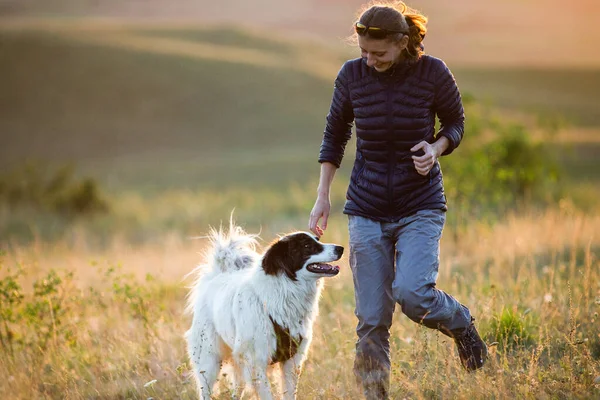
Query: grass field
pixel 531 281
pixel 181 126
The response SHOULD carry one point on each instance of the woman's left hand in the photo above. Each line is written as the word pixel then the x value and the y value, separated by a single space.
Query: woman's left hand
pixel 425 163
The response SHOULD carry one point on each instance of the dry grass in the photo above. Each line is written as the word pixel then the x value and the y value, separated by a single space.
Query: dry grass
pixel 117 331
pixel 543 267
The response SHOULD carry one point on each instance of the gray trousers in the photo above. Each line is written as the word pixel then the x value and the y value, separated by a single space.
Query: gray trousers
pixel 397 263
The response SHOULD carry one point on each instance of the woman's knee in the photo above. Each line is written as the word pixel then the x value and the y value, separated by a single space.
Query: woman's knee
pixel 374 321
pixel 415 303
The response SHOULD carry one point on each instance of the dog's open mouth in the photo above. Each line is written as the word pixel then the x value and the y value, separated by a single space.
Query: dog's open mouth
pixel 320 268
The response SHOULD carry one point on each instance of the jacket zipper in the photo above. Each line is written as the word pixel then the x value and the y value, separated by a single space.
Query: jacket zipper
pixel 391 151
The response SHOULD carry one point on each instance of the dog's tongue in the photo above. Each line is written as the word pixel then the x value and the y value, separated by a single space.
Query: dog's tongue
pixel 331 266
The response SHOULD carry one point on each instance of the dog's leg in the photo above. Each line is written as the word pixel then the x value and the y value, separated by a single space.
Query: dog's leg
pixel 255 374
pixel 238 383
pixel 290 372
pixel 261 384
pixel 289 375
pixel 292 368
pixel 207 370
pixel 205 354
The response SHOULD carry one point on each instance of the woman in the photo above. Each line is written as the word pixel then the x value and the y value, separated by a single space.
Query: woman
pixel 395 201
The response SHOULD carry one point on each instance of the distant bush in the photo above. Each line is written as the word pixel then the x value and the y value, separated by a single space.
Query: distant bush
pixel 57 190
pixel 499 167
pixel 512 329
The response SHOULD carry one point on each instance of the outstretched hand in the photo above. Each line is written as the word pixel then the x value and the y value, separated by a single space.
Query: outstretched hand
pixel 320 210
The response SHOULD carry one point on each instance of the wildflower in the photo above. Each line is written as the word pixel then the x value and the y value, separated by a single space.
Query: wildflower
pixel 151 383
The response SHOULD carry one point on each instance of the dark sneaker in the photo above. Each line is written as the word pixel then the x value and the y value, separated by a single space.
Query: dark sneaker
pixel 375 391
pixel 471 349
pixel 375 383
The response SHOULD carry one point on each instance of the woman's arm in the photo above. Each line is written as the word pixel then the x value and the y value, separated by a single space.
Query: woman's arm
pixel 339 122
pixel 335 137
pixel 449 109
pixel 323 204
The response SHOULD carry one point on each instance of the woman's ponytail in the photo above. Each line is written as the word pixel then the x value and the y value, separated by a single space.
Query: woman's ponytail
pixel 416 33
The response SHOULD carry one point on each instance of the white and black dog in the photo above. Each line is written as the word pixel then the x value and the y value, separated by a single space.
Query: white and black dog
pixel 252 310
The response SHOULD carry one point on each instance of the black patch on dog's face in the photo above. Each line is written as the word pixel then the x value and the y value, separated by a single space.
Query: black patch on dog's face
pixel 289 254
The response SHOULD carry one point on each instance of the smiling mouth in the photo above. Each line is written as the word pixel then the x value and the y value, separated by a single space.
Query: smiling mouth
pixel 326 269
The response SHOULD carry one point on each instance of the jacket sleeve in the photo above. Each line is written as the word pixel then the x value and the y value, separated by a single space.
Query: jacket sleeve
pixel 339 123
pixel 449 108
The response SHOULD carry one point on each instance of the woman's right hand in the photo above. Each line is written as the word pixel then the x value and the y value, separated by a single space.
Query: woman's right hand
pixel 320 210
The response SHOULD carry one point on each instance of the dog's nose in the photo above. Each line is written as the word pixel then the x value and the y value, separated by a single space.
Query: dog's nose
pixel 339 250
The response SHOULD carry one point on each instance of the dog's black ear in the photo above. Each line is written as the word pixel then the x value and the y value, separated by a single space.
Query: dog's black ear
pixel 277 259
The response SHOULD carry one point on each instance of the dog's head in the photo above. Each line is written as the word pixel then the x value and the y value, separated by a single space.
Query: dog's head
pixel 301 253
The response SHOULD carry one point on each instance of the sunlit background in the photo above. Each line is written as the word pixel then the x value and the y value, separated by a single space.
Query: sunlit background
pixel 129 126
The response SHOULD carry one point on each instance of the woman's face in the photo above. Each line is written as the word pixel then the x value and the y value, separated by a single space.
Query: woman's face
pixel 381 54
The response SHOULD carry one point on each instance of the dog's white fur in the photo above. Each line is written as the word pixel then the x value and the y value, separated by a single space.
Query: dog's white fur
pixel 233 301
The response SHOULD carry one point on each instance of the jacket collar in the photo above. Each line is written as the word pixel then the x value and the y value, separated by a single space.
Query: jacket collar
pixel 396 70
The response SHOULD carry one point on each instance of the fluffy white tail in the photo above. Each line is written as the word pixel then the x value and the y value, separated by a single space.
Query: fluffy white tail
pixel 232 250
pixel 228 251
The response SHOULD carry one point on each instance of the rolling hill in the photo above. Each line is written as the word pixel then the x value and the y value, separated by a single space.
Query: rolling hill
pixel 534 33
pixel 152 106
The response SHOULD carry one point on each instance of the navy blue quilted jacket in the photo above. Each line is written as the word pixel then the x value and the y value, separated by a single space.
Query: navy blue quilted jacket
pixel 393 111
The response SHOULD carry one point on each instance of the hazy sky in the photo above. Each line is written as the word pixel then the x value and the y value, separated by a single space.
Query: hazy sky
pixel 511 32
